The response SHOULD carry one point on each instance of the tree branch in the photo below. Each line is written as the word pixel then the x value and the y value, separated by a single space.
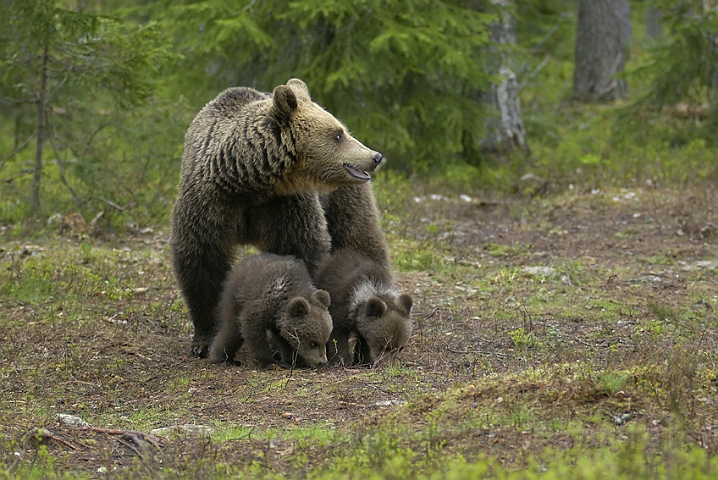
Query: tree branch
pixel 18 149
pixel 19 175
pixel 61 163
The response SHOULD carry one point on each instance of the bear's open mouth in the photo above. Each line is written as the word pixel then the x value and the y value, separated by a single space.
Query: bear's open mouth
pixel 356 173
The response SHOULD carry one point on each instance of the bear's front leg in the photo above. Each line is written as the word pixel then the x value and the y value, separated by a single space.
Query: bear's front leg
pixel 226 343
pixel 256 338
pixel 362 353
pixel 288 354
pixel 201 257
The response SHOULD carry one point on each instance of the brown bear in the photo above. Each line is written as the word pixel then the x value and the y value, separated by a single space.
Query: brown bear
pixel 272 293
pixel 253 167
pixel 364 303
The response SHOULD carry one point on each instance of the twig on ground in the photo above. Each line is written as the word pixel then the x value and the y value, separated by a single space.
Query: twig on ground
pixel 136 437
pixel 45 434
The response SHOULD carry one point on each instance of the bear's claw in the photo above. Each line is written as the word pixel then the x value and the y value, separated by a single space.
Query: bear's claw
pixel 199 350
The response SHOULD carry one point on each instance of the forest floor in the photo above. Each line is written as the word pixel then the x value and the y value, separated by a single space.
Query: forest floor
pixel 574 322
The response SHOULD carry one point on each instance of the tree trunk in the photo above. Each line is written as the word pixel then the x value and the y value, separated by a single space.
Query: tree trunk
pixel 507 131
pixel 41 117
pixel 603 36
pixel 654 28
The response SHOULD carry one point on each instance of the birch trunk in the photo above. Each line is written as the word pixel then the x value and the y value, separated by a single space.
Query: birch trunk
pixel 507 131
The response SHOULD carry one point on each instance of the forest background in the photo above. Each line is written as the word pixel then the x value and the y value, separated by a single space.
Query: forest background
pixel 95 96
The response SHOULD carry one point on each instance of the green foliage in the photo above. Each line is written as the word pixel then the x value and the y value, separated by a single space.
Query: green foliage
pixel 681 76
pixel 408 77
pixel 97 68
pixel 372 63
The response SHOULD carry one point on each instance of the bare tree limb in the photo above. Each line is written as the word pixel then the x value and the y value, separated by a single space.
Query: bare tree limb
pixel 19 175
pixel 18 149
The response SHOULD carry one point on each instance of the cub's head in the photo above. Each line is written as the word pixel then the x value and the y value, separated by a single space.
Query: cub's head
pixel 384 326
pixel 306 325
pixel 328 155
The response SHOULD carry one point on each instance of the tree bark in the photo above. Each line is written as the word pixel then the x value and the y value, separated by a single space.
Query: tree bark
pixel 41 117
pixel 507 131
pixel 654 28
pixel 603 36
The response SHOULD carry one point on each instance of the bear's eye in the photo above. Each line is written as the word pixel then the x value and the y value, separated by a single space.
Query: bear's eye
pixel 339 137
pixel 314 345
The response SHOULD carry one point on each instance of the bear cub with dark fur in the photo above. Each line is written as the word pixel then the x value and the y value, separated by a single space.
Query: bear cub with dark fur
pixel 364 303
pixel 267 293
pixel 253 168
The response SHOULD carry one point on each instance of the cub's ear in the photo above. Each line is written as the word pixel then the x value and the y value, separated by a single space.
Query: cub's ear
pixel 406 302
pixel 285 101
pixel 298 307
pixel 300 88
pixel 375 307
pixel 322 298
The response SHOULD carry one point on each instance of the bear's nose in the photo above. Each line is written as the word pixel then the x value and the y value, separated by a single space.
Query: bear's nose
pixel 377 158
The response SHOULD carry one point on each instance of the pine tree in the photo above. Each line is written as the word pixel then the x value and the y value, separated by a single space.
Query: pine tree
pixel 400 74
pixel 51 56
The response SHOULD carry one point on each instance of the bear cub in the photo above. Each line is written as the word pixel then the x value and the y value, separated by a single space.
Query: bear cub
pixel 267 293
pixel 364 303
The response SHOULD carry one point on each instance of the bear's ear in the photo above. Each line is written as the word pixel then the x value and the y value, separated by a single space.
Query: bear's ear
pixel 300 88
pixel 406 302
pixel 322 298
pixel 285 101
pixel 374 307
pixel 297 307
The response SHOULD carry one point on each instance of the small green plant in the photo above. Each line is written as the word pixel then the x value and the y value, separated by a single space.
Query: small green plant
pixel 613 382
pixel 523 340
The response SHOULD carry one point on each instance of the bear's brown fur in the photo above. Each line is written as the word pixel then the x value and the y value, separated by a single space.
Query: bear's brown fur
pixel 353 222
pixel 252 170
pixel 364 303
pixel 272 293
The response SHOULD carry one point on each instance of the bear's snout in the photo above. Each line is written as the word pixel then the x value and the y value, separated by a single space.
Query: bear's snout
pixel 377 158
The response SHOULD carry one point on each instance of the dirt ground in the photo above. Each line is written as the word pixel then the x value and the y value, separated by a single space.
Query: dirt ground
pixel 592 308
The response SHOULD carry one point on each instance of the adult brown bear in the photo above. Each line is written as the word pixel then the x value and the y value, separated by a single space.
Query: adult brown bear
pixel 253 169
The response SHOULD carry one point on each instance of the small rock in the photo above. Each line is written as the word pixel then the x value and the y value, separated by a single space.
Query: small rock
pixel 539 271
pixel 709 264
pixel 187 429
pixel 71 420
pixel 389 403
pixel 646 279
pixel 621 419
